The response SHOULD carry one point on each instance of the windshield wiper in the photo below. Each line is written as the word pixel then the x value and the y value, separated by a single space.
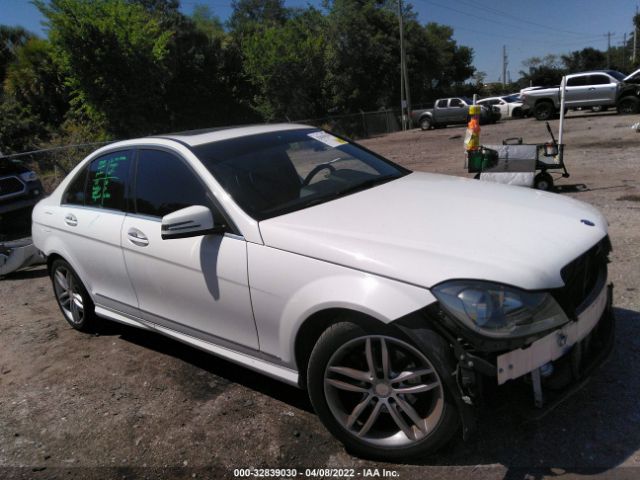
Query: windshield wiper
pixel 352 189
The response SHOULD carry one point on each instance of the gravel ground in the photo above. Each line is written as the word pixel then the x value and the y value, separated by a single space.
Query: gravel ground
pixel 129 404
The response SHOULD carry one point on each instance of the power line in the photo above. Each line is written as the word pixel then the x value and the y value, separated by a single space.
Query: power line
pixel 482 7
pixel 492 21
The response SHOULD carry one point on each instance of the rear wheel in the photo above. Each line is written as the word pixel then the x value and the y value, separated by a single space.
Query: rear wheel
pixel 425 123
pixel 628 105
pixel 73 299
pixel 544 111
pixel 380 395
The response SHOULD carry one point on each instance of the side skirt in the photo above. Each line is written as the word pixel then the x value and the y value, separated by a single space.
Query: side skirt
pixel 272 370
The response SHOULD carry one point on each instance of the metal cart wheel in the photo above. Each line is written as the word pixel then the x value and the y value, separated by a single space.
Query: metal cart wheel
pixel 543 181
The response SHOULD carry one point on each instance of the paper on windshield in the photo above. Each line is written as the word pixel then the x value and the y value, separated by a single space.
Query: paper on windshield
pixel 327 139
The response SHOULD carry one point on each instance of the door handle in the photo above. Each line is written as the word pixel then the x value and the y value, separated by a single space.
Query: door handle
pixel 138 238
pixel 592 88
pixel 71 220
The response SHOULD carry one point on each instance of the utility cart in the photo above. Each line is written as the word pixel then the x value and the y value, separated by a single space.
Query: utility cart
pixel 517 163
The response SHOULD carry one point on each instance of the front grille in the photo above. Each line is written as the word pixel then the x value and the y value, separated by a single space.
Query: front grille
pixel 10 186
pixel 581 276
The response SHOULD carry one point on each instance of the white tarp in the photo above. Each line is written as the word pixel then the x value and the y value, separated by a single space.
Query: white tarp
pixel 516 165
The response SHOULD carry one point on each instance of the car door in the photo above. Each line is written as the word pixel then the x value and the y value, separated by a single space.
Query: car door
pixel 602 89
pixel 457 111
pixel 576 92
pixel 199 285
pixel 90 219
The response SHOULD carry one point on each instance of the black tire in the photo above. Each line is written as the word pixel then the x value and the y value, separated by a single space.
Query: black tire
pixel 384 442
pixel 79 311
pixel 598 108
pixel 544 110
pixel 517 113
pixel 628 105
pixel 476 176
pixel 425 123
pixel 543 181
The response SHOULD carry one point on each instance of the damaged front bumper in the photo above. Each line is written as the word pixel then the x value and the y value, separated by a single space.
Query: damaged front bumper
pixel 533 378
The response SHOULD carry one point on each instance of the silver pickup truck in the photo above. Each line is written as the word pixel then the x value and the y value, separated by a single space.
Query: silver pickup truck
pixel 451 111
pixel 598 89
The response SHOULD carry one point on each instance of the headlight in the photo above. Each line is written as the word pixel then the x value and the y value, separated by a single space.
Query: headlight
pixel 28 176
pixel 497 310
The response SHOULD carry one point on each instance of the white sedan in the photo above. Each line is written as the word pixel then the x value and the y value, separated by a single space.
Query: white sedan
pixel 510 106
pixel 393 297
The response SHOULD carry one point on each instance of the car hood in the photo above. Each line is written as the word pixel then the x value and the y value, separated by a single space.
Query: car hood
pixel 426 228
pixel 633 77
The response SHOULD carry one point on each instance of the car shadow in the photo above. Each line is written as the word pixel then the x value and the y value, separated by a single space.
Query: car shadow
pixel 593 431
pixel 27 274
pixel 230 372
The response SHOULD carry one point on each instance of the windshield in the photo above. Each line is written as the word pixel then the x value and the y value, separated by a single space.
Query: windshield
pixel 280 172
pixel 617 75
pixel 511 98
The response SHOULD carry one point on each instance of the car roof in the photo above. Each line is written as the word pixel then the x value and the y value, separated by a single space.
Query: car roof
pixel 194 138
pixel 608 72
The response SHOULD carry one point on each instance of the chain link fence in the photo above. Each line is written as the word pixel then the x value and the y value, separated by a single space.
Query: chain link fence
pixel 360 125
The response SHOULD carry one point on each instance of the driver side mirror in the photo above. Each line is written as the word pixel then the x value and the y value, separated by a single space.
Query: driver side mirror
pixel 188 222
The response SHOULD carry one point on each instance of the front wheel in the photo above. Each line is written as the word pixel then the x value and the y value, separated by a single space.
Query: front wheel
pixel 628 105
pixel 73 299
pixel 380 395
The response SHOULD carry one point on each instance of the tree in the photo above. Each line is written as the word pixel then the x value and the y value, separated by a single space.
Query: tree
pixel 250 15
pixel 11 38
pixel 363 55
pixel 585 59
pixel 19 129
pixel 286 67
pixel 113 56
pixel 207 22
pixel 34 80
pixel 545 71
pixel 438 65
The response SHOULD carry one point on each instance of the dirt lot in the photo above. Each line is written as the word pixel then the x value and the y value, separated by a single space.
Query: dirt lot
pixel 125 404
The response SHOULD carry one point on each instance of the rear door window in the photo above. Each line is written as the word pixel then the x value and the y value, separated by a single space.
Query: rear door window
pixel 442 103
pixel 75 193
pixel 108 181
pixel 456 103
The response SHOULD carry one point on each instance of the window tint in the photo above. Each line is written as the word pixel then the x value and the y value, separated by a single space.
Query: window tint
pixel 456 102
pixel 164 184
pixel 442 103
pixel 108 179
pixel 577 81
pixel 274 173
pixel 599 80
pixel 74 195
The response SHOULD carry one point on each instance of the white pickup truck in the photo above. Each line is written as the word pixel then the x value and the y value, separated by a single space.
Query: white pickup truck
pixel 602 89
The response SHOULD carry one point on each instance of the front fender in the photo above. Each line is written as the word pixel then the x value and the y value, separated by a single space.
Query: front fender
pixel 287 289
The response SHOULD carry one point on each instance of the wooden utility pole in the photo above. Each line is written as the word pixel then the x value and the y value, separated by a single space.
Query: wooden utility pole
pixel 624 52
pixel 608 49
pixel 405 95
pixel 635 37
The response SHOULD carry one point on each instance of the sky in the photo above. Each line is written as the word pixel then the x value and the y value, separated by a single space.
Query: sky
pixel 526 27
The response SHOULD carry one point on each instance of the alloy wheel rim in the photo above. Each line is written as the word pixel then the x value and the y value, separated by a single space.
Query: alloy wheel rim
pixel 384 391
pixel 68 295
